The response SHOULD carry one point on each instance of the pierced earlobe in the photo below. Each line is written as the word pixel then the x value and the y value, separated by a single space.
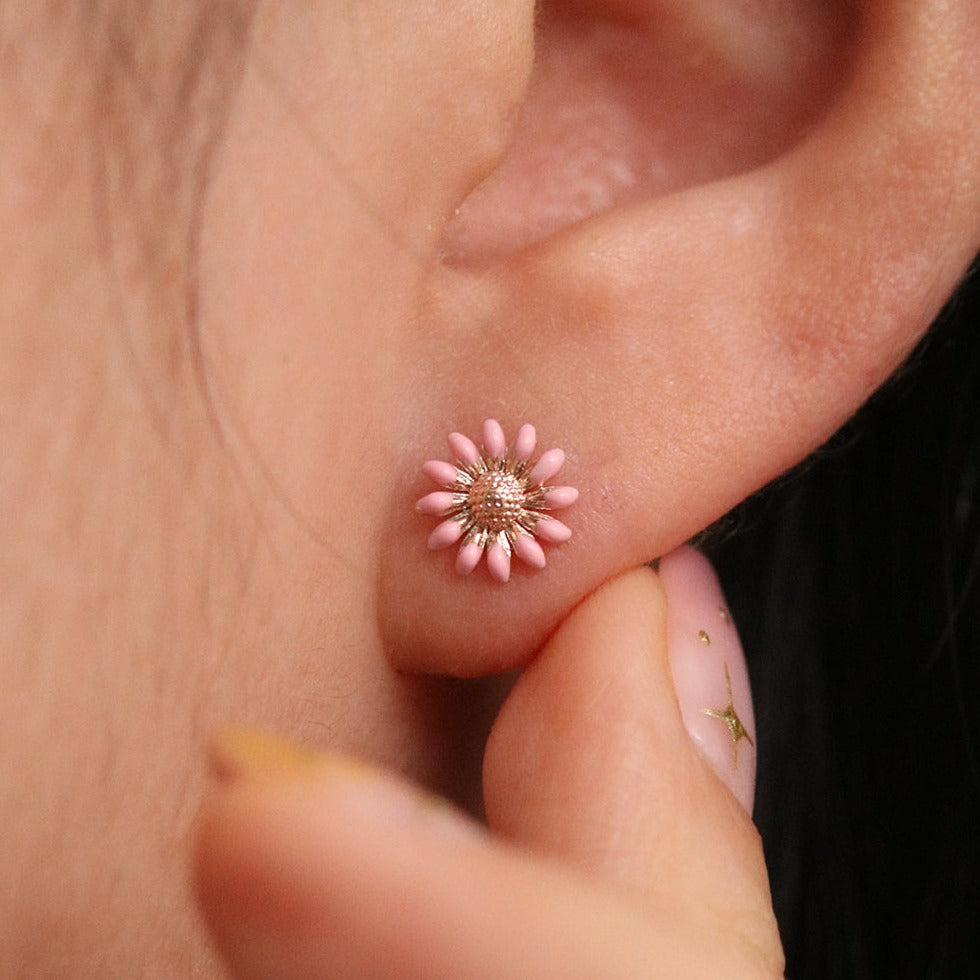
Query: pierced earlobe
pixel 496 501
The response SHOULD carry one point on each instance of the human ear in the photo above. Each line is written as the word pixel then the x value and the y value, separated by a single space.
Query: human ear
pixel 701 332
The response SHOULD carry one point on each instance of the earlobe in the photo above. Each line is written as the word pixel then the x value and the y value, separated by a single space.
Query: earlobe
pixel 689 346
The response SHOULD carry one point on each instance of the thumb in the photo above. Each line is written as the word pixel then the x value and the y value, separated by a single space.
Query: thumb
pixel 310 866
pixel 593 760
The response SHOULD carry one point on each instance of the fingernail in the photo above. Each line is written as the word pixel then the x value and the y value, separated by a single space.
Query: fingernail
pixel 708 667
pixel 244 754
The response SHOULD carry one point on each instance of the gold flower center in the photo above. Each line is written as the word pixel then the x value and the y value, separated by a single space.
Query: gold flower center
pixel 496 500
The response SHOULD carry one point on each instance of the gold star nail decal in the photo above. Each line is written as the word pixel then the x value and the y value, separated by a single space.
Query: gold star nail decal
pixel 731 719
pixel 704 638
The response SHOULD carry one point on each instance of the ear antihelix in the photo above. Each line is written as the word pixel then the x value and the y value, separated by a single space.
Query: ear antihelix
pixel 780 298
pixel 641 98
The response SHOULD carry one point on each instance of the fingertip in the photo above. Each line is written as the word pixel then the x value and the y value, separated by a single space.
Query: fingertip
pixel 592 759
pixel 297 854
pixel 593 696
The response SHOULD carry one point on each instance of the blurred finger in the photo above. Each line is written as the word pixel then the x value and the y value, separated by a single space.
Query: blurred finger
pixel 311 866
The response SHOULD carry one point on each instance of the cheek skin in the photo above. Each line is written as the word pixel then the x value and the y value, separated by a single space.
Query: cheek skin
pixel 307 331
pixel 225 574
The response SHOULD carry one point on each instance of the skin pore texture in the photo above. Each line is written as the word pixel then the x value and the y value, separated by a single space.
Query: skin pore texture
pixel 685 240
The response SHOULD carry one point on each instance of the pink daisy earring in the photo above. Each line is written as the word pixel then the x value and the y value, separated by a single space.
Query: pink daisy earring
pixel 496 501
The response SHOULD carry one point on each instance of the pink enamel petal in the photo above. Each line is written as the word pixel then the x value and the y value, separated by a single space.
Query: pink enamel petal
pixel 447 533
pixel 464 448
pixel 525 442
pixel 529 551
pixel 468 557
pixel 440 471
pixel 494 440
pixel 436 504
pixel 559 497
pixel 498 561
pixel 547 466
pixel 553 531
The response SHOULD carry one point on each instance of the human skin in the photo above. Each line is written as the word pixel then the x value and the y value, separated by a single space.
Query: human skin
pixel 211 523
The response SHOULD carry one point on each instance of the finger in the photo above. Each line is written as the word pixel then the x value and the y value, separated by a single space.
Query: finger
pixel 314 867
pixel 590 759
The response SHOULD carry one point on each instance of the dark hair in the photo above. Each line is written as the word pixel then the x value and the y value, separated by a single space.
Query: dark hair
pixel 856 588
pixel 165 74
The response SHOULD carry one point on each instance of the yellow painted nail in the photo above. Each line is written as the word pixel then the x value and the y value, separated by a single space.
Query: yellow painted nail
pixel 244 753
pixel 367 793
